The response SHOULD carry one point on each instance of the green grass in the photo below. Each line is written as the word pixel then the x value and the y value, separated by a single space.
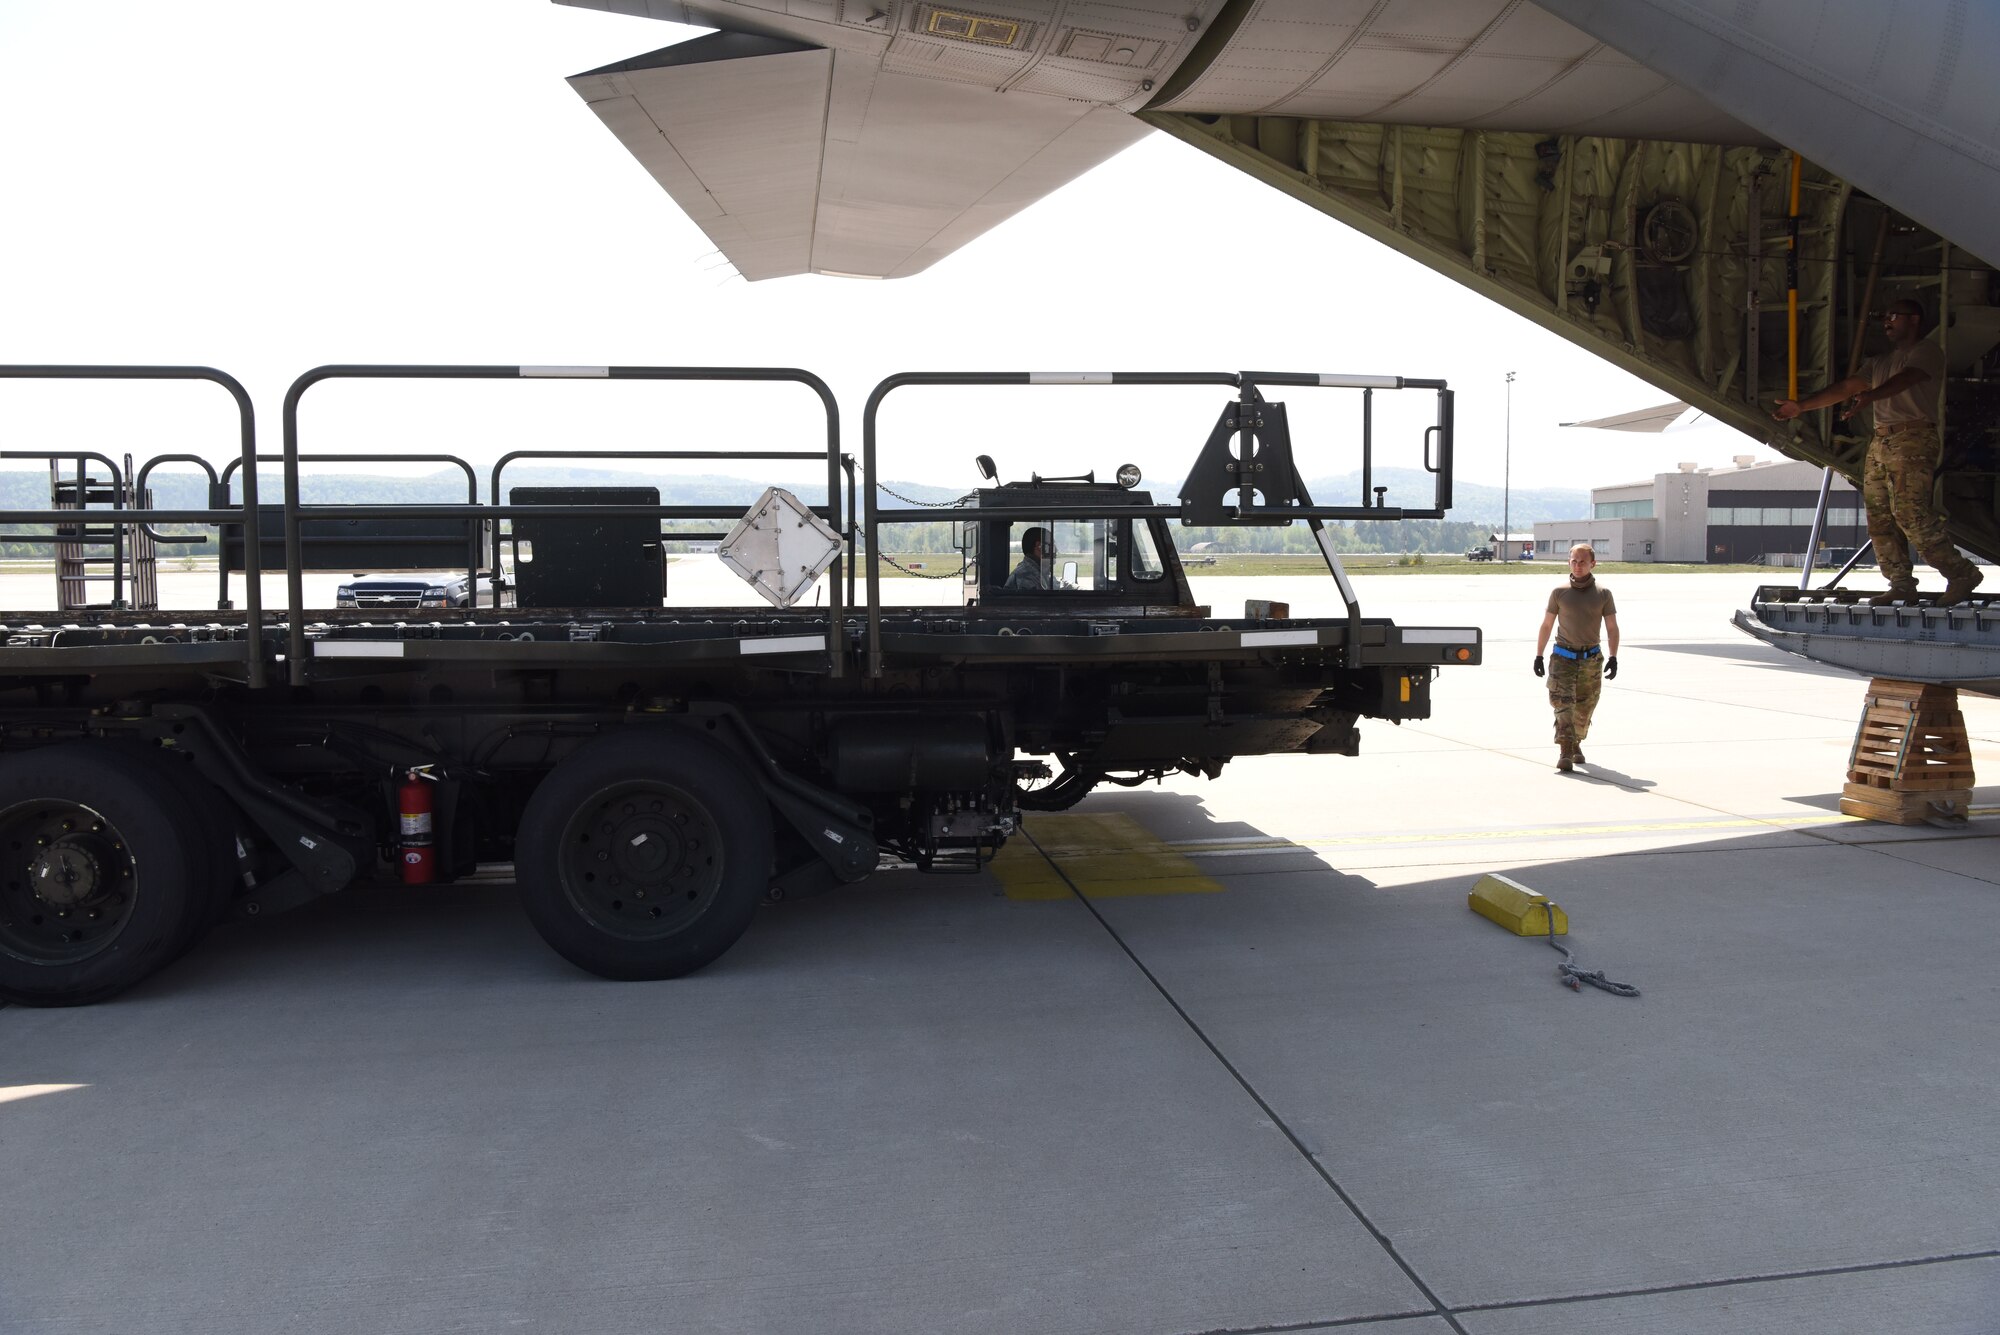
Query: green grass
pixel 1377 563
pixel 1235 563
pixel 1432 563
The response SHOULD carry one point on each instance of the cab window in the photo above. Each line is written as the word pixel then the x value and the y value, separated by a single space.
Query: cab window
pixel 1081 559
pixel 1142 559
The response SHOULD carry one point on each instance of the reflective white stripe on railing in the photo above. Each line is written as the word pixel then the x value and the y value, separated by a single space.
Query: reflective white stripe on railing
pixel 1454 635
pixel 574 372
pixel 782 644
pixel 1069 377
pixel 1361 381
pixel 1251 637
pixel 357 649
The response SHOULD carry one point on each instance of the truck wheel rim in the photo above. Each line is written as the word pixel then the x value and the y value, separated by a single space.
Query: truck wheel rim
pixel 68 884
pixel 641 860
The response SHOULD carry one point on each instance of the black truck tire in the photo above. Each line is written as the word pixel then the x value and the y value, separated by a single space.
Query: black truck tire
pixel 208 820
pixel 220 825
pixel 105 873
pixel 644 855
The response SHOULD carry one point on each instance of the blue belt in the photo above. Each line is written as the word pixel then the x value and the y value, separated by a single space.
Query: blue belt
pixel 1561 652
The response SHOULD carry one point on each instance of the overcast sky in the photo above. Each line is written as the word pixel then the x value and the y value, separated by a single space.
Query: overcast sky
pixel 268 187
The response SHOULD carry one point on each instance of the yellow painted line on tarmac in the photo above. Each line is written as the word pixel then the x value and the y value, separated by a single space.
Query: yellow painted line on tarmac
pixel 1227 847
pixel 1025 874
pixel 1107 855
pixel 1518 832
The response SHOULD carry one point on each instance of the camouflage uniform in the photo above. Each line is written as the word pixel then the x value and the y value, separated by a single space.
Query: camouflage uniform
pixel 1896 486
pixel 1574 685
pixel 1580 611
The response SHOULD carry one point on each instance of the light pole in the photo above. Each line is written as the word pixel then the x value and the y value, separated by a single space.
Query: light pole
pixel 1507 477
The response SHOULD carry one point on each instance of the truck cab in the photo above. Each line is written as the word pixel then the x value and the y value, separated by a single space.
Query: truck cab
pixel 1094 562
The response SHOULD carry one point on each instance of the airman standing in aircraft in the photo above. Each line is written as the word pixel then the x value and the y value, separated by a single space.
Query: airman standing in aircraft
pixel 1577 612
pixel 1904 384
pixel 1037 561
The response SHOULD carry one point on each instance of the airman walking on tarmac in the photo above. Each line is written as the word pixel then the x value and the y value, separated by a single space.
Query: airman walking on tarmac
pixel 1577 612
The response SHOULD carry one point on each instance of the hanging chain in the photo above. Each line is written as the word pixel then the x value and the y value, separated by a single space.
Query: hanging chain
pixel 917 574
pixel 928 505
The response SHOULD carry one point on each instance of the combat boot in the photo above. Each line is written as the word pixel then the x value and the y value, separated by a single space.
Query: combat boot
pixel 1895 593
pixel 1959 587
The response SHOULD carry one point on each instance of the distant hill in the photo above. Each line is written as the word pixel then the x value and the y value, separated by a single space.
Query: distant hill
pixel 1476 512
pixel 179 487
pixel 176 487
pixel 1472 502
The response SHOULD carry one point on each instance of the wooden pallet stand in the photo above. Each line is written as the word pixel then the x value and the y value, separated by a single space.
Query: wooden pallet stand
pixel 1911 763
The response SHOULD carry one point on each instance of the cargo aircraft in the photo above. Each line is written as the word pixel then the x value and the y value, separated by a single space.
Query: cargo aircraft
pixel 1714 196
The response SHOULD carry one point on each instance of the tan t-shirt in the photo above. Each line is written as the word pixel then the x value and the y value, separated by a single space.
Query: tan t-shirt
pixel 1580 614
pixel 1918 403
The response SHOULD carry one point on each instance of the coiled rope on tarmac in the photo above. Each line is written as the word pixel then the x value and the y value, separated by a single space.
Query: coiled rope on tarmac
pixel 1574 977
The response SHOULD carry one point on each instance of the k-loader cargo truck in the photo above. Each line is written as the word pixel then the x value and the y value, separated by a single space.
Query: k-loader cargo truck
pixel 654 773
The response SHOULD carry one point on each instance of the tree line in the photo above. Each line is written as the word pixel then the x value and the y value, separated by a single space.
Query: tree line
pixel 185 490
pixel 1388 535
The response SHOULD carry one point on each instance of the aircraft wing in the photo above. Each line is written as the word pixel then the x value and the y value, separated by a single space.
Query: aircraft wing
pixel 1653 420
pixel 796 158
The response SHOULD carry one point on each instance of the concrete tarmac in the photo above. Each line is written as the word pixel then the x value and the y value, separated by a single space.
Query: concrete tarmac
pixel 1260 1071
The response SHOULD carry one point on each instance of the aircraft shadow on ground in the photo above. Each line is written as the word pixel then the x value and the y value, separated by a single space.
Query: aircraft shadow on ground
pixel 477 937
pixel 1986 797
pixel 1173 816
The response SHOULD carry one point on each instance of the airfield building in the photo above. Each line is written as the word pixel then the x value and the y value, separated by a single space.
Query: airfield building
pixel 1752 510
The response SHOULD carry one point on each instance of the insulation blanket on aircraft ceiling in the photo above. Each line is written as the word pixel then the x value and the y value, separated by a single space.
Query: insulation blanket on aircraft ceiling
pixel 1899 99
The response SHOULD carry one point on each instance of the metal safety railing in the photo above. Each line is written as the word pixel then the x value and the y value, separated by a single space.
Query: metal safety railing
pixel 1248 452
pixel 254 534
pixel 833 514
pixel 79 536
pixel 253 600
pixel 298 514
pixel 1248 455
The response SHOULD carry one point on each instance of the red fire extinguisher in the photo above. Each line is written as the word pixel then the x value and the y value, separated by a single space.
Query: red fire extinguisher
pixel 413 799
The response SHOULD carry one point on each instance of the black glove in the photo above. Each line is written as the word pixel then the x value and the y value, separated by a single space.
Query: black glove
pixel 1611 667
pixel 1541 667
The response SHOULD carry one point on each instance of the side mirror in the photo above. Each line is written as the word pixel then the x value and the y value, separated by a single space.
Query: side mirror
pixel 1069 573
pixel 986 468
